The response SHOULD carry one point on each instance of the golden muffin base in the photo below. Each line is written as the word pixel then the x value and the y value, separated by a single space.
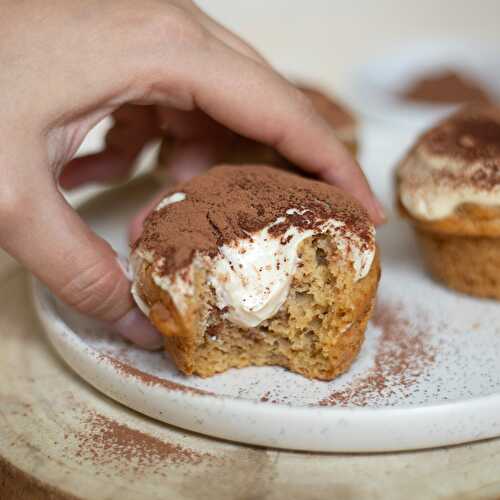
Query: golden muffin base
pixel 468 264
pixel 317 332
pixel 468 219
pixel 463 250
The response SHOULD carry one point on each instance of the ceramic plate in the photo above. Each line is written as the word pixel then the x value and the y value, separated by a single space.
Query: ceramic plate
pixel 427 374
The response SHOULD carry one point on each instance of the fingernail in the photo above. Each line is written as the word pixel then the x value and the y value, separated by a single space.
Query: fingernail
pixel 136 328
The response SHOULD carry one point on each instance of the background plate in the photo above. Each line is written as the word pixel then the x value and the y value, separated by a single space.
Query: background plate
pixel 378 84
pixel 427 374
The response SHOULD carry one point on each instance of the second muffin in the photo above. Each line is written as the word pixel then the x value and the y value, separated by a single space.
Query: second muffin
pixel 448 187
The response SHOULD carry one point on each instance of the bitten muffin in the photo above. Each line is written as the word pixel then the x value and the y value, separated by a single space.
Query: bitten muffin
pixel 245 151
pixel 251 265
pixel 449 189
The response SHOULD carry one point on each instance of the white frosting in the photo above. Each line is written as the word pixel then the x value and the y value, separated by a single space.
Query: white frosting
pixel 168 200
pixel 180 285
pixel 252 277
pixel 428 194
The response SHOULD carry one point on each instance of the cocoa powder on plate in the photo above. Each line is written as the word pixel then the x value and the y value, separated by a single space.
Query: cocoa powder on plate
pixel 148 379
pixel 402 358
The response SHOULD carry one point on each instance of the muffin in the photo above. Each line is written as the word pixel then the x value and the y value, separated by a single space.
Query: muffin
pixel 448 187
pixel 250 265
pixel 447 87
pixel 242 150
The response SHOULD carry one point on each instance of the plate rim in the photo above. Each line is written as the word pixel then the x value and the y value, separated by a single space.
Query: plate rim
pixel 44 302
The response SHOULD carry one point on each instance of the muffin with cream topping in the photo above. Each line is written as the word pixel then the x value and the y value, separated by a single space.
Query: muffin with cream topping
pixel 251 265
pixel 449 189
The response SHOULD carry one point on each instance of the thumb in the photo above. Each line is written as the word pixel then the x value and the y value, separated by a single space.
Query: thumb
pixel 46 235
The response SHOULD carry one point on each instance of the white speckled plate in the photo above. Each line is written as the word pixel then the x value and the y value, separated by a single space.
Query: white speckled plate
pixel 427 375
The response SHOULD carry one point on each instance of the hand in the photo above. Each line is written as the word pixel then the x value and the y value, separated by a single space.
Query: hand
pixel 68 64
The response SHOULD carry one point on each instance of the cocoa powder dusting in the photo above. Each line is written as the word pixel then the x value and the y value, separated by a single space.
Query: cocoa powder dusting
pixel 265 397
pixel 471 137
pixel 227 204
pixel 402 358
pixel 148 379
pixel 105 441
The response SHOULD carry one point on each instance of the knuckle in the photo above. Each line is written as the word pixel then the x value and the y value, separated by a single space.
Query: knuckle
pixel 179 27
pixel 158 27
pixel 96 291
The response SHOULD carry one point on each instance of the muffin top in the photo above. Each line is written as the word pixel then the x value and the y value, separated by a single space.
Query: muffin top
pixel 454 163
pixel 228 204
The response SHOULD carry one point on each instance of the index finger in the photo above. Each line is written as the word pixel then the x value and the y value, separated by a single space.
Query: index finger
pixel 257 102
